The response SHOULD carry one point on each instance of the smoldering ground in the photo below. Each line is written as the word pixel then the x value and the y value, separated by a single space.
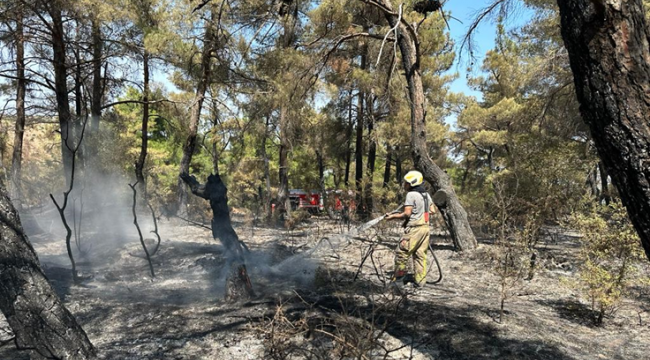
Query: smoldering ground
pixel 181 314
pixel 108 253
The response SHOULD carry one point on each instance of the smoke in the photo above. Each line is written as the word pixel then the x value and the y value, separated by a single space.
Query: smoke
pixel 190 267
pixel 99 213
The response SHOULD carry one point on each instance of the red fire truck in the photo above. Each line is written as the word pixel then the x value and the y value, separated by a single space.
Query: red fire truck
pixel 301 199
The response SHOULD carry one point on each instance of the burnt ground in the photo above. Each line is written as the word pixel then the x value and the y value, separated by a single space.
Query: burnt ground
pixel 309 305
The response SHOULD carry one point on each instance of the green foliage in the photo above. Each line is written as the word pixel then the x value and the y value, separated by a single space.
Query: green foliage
pixel 526 133
pixel 610 256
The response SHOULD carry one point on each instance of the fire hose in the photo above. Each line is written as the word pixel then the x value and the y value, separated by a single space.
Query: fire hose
pixel 375 222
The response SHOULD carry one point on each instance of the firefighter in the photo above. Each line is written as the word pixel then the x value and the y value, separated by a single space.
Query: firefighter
pixel 415 241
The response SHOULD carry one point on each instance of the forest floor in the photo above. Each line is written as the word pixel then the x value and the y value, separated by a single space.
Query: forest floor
pixel 308 304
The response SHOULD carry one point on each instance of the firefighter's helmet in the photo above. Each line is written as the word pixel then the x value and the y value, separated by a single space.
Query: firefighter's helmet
pixel 414 178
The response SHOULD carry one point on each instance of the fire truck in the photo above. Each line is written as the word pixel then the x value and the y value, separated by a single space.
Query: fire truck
pixel 301 199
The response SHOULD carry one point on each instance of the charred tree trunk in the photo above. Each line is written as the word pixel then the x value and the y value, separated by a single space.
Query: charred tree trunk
pixel 61 88
pixel 96 104
pixel 348 139
pixel 139 165
pixel 452 211
pixel 79 104
pixel 608 44
pixel 238 285
pixel 21 86
pixel 203 82
pixel 372 156
pixel 389 154
pixel 41 323
pixel 266 198
pixel 398 165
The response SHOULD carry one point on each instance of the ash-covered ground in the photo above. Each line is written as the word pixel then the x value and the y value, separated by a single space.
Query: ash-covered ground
pixel 314 301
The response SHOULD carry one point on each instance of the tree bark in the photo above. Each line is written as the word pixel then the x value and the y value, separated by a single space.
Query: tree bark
pixel 36 315
pixel 266 199
pixel 452 211
pixel 79 104
pixel 372 156
pixel 96 103
pixel 608 46
pixel 61 88
pixel 21 86
pixel 389 154
pixel 202 86
pixel 139 165
pixel 348 142
pixel 398 165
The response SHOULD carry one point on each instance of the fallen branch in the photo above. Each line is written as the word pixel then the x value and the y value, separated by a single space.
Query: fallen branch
pixel 195 223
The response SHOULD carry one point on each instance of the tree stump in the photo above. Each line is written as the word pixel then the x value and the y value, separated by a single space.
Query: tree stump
pixel 238 284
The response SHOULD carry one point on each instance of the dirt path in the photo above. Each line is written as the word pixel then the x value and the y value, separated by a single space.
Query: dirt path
pixel 310 307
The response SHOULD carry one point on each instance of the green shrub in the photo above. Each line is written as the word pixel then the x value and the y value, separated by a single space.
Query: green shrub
pixel 609 257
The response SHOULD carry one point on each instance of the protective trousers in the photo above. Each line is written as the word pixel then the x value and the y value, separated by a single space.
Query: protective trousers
pixel 414 242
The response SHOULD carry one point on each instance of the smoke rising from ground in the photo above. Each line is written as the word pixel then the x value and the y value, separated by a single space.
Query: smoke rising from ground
pixel 99 212
pixel 190 267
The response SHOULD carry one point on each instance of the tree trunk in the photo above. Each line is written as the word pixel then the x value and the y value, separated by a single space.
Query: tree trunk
pixel 604 186
pixel 287 40
pixel 96 104
pixel 451 209
pixel 16 164
pixel 284 203
pixel 321 183
pixel 139 165
pixel 238 285
pixel 348 143
pixel 608 45
pixel 389 154
pixel 61 89
pixel 33 310
pixel 79 104
pixel 372 156
pixel 592 182
pixel 202 86
pixel 266 199
pixel 398 165
pixel 358 154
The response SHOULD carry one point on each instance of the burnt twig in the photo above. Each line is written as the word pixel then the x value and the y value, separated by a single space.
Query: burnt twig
pixel 66 195
pixel 155 230
pixel 135 222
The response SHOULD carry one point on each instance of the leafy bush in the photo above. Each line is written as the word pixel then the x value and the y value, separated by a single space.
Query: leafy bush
pixel 609 257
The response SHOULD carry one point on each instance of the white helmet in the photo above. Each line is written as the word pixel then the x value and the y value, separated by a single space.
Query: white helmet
pixel 414 178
